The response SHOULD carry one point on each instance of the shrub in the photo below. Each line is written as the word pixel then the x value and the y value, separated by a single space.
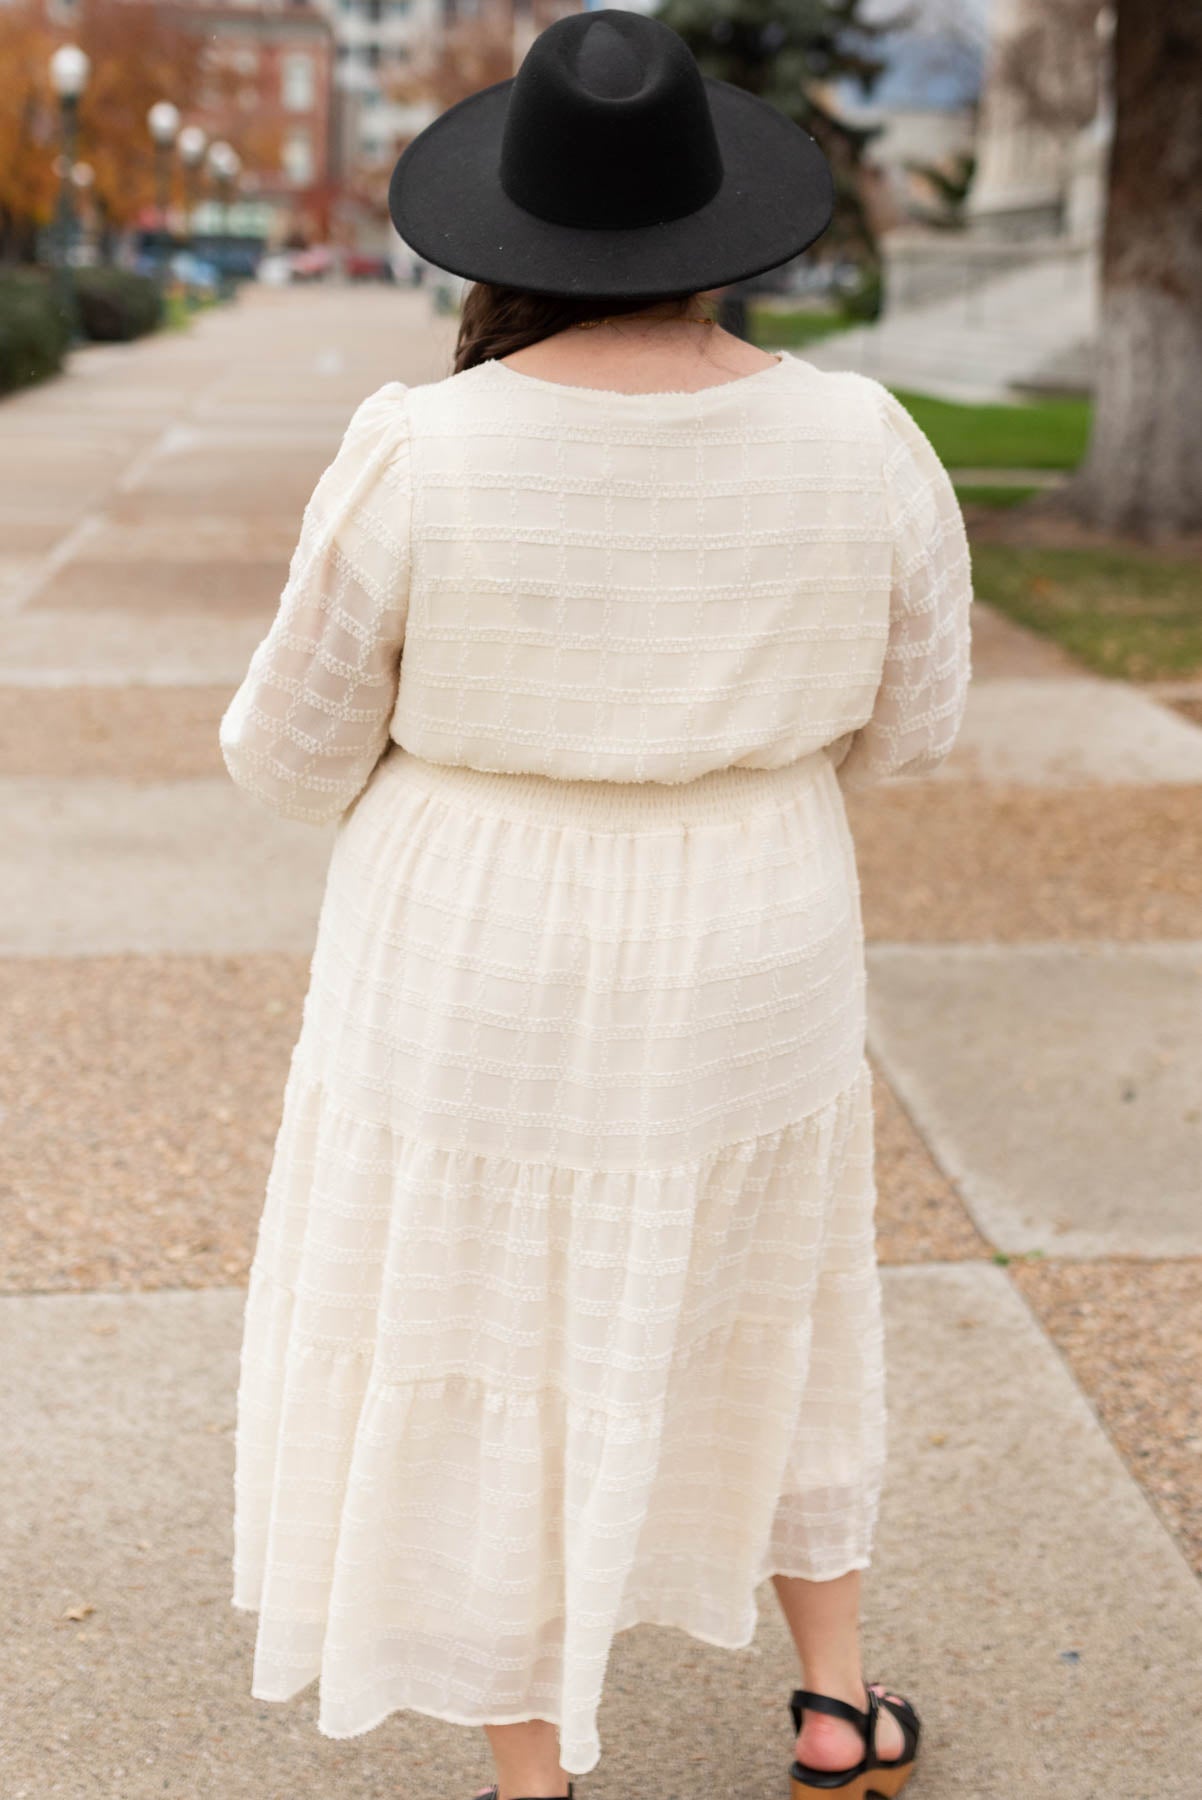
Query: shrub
pixel 865 302
pixel 33 332
pixel 116 305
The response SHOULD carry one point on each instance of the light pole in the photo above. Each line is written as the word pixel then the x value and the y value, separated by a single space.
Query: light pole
pixel 69 70
pixel 191 144
pixel 82 177
pixel 225 164
pixel 163 120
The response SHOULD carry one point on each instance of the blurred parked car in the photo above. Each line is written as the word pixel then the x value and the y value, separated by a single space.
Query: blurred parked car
pixel 279 267
pixel 182 266
pixel 275 268
pixel 229 256
pixel 363 265
pixel 144 262
pixel 194 272
pixel 311 264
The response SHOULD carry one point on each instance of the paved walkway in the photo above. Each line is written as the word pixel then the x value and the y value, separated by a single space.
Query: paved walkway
pixel 1035 916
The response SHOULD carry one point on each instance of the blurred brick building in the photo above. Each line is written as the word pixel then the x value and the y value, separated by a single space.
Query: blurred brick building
pixel 268 89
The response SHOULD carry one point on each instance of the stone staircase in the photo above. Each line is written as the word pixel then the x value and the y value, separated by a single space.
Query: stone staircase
pixel 1027 331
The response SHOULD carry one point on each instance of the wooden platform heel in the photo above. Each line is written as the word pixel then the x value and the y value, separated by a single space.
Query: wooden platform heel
pixel 871 1778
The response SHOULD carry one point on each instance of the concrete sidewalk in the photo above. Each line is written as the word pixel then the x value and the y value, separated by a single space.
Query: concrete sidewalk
pixel 1020 1576
pixel 1035 917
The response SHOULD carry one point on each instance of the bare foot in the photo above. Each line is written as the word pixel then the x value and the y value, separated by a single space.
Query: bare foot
pixel 832 1744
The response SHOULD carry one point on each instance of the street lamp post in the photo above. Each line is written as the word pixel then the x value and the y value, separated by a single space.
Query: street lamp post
pixel 191 144
pixel 69 69
pixel 163 120
pixel 82 177
pixel 225 164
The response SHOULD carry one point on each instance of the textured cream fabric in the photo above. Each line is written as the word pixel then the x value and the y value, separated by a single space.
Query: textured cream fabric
pixel 622 587
pixel 564 1311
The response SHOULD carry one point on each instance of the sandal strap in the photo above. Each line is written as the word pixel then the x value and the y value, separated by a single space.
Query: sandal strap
pixel 495 1789
pixel 805 1700
pixel 569 1794
pixel 908 1719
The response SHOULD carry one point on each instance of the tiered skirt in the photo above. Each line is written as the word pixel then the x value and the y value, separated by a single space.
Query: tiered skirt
pixel 564 1311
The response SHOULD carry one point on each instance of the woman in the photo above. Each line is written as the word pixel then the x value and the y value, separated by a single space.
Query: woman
pixel 564 1312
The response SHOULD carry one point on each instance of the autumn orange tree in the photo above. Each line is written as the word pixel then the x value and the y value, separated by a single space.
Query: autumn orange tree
pixel 139 53
pixel 138 56
pixel 27 129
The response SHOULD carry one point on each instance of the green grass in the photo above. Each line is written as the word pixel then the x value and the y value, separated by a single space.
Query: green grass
pixel 1038 434
pixel 792 330
pixel 178 314
pixel 999 497
pixel 1129 615
pixel 1044 434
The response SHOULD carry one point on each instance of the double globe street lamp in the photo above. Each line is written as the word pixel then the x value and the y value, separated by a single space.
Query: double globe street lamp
pixel 69 71
pixel 225 165
pixel 191 145
pixel 194 150
pixel 164 122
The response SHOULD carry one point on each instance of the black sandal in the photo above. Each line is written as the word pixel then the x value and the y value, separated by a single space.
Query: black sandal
pixel 491 1793
pixel 872 1776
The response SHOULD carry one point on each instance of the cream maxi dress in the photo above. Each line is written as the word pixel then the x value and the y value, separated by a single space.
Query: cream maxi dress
pixel 564 1310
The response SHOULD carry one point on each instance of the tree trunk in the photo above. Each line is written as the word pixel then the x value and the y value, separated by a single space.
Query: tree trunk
pixel 1143 473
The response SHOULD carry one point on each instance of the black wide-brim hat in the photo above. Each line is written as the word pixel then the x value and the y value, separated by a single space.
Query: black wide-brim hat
pixel 609 165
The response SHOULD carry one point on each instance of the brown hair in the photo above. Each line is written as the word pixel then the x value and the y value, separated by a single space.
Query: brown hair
pixel 497 320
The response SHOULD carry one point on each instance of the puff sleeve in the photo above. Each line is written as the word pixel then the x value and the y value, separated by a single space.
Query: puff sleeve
pixel 920 702
pixel 309 722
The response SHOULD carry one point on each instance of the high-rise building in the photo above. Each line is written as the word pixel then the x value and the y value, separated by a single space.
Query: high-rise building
pixel 375 39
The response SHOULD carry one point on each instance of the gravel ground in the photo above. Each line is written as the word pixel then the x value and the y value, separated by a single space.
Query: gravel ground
pixel 165 733
pixel 1042 525
pixel 944 861
pixel 1000 648
pixel 144 1093
pixel 1132 1335
pixel 920 1217
pixel 977 861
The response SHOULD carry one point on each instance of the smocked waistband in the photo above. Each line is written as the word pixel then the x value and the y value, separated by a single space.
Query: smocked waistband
pixel 719 794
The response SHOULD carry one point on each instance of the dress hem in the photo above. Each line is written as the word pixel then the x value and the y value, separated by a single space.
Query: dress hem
pixel 848 1566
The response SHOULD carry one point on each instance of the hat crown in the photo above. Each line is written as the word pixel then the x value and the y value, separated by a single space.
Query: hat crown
pixel 608 125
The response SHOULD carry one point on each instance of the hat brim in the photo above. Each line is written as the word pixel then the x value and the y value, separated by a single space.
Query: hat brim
pixel 447 203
